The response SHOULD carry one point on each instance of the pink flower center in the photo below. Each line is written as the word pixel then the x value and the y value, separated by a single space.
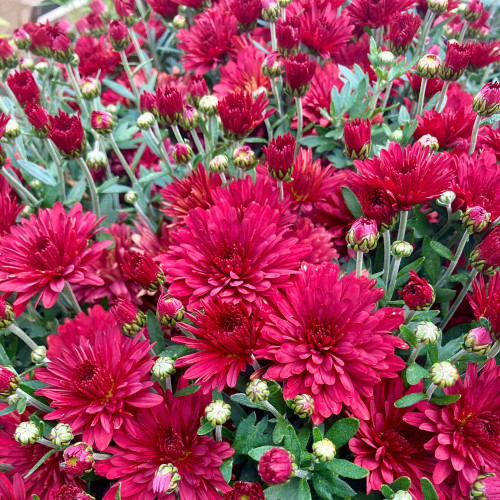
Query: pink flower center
pixel 229 260
pixel 94 381
pixel 45 254
pixel 319 335
pixel 171 446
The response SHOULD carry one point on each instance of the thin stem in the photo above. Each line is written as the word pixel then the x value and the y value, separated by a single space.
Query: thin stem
pixel 454 262
pixel 274 41
pixel 421 98
pixel 359 263
pixel 387 95
pixel 458 355
pixel 271 408
pixel 143 216
pixel 223 178
pixel 133 86
pixel 459 299
pixel 177 134
pixel 27 197
pixel 76 88
pixel 218 432
pixel 300 124
pixel 386 235
pixel 22 335
pixel 56 158
pixel 276 96
pixel 403 220
pixel 463 31
pixel 283 13
pixel 70 295
pixel 442 97
pixel 34 402
pixel 162 150
pixel 392 279
pixel 168 383
pixel 414 354
pixel 280 186
pixel 448 223
pixel 375 96
pixel 47 443
pixel 140 53
pixel 197 142
pixel 487 73
pixel 151 44
pixel 428 20
pixel 409 317
pixel 93 190
pixel 430 391
pixel 475 131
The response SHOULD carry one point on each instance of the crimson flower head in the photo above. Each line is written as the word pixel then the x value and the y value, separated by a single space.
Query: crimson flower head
pixel 67 133
pixel 165 8
pixel 9 209
pixel 246 12
pixel 358 138
pixel 24 87
pixel 147 102
pixel 486 256
pixel 402 29
pixel 39 118
pixel 288 36
pixel 363 235
pixel 102 122
pixel 487 101
pixel 409 176
pixel 473 10
pixel 226 338
pixel 196 89
pixel 240 113
pixel 327 340
pixel 456 61
pixel 485 302
pixel 71 493
pixel 78 459
pixel 7 57
pixel 44 252
pixel 143 270
pixel 418 294
pixel 376 204
pixel 169 106
pixel 276 466
pixel 242 490
pixel 299 71
pixel 167 434
pixel 130 319
pixel 375 13
pixel 118 34
pixel 280 156
pixel 21 38
pixel 484 53
pixel 125 10
pixel 9 382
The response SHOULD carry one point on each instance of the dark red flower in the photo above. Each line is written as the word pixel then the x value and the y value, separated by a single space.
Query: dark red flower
pixel 456 61
pixel 484 53
pixel 9 381
pixel 38 116
pixel 276 466
pixel 125 8
pixel 129 318
pixel 7 57
pixel 485 302
pixel 402 29
pixel 13 490
pixel 288 36
pixel 280 156
pixel 70 493
pixel 140 268
pixel 434 85
pixel 169 106
pixel 21 38
pixel 118 34
pixel 376 203
pixel 196 89
pixel 299 71
pixel 67 133
pixel 358 138
pixel 96 56
pixel 165 8
pixel 24 87
pixel 486 256
pixel 244 491
pixel 375 13
pixel 147 102
pixel 9 209
pixel 240 113
pixel 418 294
pixel 246 11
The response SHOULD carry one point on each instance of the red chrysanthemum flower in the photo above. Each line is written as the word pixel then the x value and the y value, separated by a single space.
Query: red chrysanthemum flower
pixel 402 29
pixel 24 87
pixel 410 176
pixel 246 11
pixel 167 434
pixel 489 138
pixel 165 8
pixel 358 138
pixel 245 491
pixel 47 250
pixel 47 478
pixel 433 86
pixel 208 41
pixel 299 71
pixel 280 156
pixel 288 35
pixel 375 13
pixel 9 208
pixel 386 445
pixel 67 133
pixel 12 490
pixel 238 258
pixel 183 195
pixel 484 53
pixel 456 61
pixel 326 340
pixel 96 56
pixel 486 255
pixel 375 202
pixel 418 294
pixel 98 381
pixel 240 113
pixel 485 302
pixel 226 338
pixel 71 493
pixel 465 433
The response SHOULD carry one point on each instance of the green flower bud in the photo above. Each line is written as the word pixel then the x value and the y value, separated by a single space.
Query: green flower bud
pixel 90 88
pixel 61 434
pixel 271 12
pixel 385 58
pixel 427 333
pixel 430 141
pixel 145 121
pixel 13 399
pixel 446 199
pixel 443 374
pixel 164 367
pixel 131 197
pixel 428 66
pixel 209 105
pixel 401 249
pixel 96 159
pixel 27 433
pixel 257 390
pixel 218 412
pixel 219 164
pixel 39 354
pixel 397 135
pixel 303 405
pixel 401 495
pixel 437 6
pixel 324 450
pixel 179 22
pixel 12 129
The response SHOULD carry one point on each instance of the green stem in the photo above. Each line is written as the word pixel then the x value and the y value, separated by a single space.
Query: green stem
pixel 442 97
pixel 280 187
pixel 430 391
pixel 133 86
pixel 271 408
pixel 151 44
pixel 177 134
pixel 473 138
pixel 56 158
pixel 140 53
pixel 421 97
pixel 458 355
pixel 414 354
pixel 392 279
pixel 218 432
pixel 428 20
pixel 76 88
pixel 27 197
pixel 300 124
pixel 276 96
pixel 70 295
pixel 359 263
pixel 454 262
pixel 463 31
pixel 90 181
pixel 386 235
pixel 387 94
pixel 197 141
pixel 22 335
pixel 162 151
pixel 274 41
pixel 403 220
pixel 34 402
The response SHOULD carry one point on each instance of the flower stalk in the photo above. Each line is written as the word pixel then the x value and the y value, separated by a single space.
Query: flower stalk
pixel 92 188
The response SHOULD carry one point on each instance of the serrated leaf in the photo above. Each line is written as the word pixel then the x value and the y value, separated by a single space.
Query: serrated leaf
pixel 336 486
pixel 190 389
pixel 446 400
pixel 279 430
pixel 304 492
pixel 256 453
pixel 428 490
pixel 352 202
pixel 440 249
pixel 226 469
pixel 250 435
pixel 415 373
pixel 37 172
pixel 40 462
pixel 342 431
pixel 292 444
pixel 401 483
pixel 409 400
pixel 286 491
pixel 345 468
pixel 155 333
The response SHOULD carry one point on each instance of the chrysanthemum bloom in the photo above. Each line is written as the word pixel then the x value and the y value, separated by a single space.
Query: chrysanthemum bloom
pixel 375 13
pixel 358 138
pixel 238 257
pixel 9 208
pixel 473 10
pixel 376 204
pixel 363 235
pixel 70 493
pixel 280 156
pixel 97 382
pixel 276 466
pixel 478 340
pixel 43 253
pixel 9 382
pixel 418 294
pixel 130 319
pixel 165 8
pixel 24 87
pixel 242 491
pixel 167 434
pixel 21 38
pixel 67 133
pixel 60 47
pixel 299 70
pixel 13 490
pixel 226 338
pixel 78 459
pixel 487 101
pixel 288 36
pixel 141 269
pixel 489 138
pixel 246 12
pixel 38 117
pixel 147 102
pixel 47 479
pixel 240 113
pixel 410 176
pixel 485 302
pixel 386 445
pixel 118 35
pixel 402 29
pixel 208 41
pixel 327 340
pixel 7 57
pixel 196 89
pixel 456 61
pixel 125 10
pixel 485 257
pixel 484 53
pixel 486 487
pixel 465 433
pixel 169 106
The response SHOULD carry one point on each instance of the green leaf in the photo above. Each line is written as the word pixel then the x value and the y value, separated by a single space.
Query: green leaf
pixel 292 444
pixel 175 351
pixel 76 192
pixel 155 333
pixel 401 483
pixel 428 490
pixel 386 491
pixel 7 410
pixel 304 493
pixel 352 202
pixel 190 389
pixel 118 495
pixel 37 172
pixel 409 400
pixel 119 89
pixel 446 400
pixel 440 249
pixel 336 486
pixel 317 435
pixel 4 359
pixel 432 265
pixel 342 431
pixel 250 435
pixel 279 430
pixel 21 405
pixel 226 469
pixel 345 468
pixel 205 429
pixel 408 335
pixel 404 116
pixel 256 453
pixel 415 373
pixel 444 295
pixel 283 491
pixel 244 400
pixel 35 497
pixel 403 275
pixel 40 462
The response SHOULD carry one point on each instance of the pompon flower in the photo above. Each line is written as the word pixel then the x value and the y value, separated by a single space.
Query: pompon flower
pixel 410 176
pixel 47 479
pixel 38 117
pixel 240 113
pixel 246 12
pixel 12 490
pixel 24 87
pixel 418 294
pixel 465 433
pixel 97 383
pixel 186 194
pixel 299 71
pixel 386 445
pixel 238 258
pixel 67 133
pixel 44 252
pixel 280 156
pixel 375 13
pixel 226 338
pixel 208 41
pixel 326 340
pixel 167 434
pixel 96 55
pixel 165 8
pixel 288 35
pixel 376 203
pixel 402 29
pixel 485 302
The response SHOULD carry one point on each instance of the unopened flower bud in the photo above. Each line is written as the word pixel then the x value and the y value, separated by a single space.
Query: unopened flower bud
pixel 61 434
pixel 74 59
pixel 357 138
pixel 280 156
pixel 22 39
pixel 219 164
pixel 182 154
pixel 39 354
pixel 208 105
pixel 427 333
pixel 13 399
pixel 478 340
pixel 146 121
pixel 143 270
pixel 303 405
pixel 129 317
pixel 487 101
pixel 437 6
pixel 270 11
pixel 131 197
pixel 25 213
pixel 218 412
pixel 166 480
pixel 443 374
pixel 190 118
pixel 27 433
pixel 27 63
pixel 385 58
pixel 418 294
pixel 401 249
pixel 486 487
pixel 42 67
pixel 7 315
pixel 111 109
pixel 96 159
pixel 90 88
pixel 397 135
pixel 179 22
pixel 272 66
pixel 429 141
pixel 284 3
pixel 401 495
pixel 9 382
pixel 446 199
pixel 257 390
pixel 363 235
pixel 12 129
pixel 102 122
pixel 324 450
pixel 428 66
pixel 473 10
pixel 276 466
pixel 475 219
pixel 164 367
pixel 485 257
pixel 244 158
pixel 78 459
pixel 169 310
